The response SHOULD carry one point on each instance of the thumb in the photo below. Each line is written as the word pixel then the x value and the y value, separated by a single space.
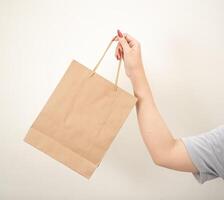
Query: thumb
pixel 123 41
pixel 124 44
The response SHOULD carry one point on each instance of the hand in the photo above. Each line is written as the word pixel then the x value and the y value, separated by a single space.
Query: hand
pixel 129 50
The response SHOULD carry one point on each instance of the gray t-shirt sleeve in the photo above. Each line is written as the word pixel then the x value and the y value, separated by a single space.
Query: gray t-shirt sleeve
pixel 207 154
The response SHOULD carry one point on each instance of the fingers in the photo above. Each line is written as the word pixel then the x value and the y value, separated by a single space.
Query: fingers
pixel 125 43
pixel 119 52
pixel 129 38
pixel 116 52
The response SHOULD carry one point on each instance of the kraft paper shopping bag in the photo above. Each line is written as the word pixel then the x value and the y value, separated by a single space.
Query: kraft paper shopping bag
pixel 81 118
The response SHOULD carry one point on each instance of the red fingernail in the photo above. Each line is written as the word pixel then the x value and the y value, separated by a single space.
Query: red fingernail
pixel 120 53
pixel 119 33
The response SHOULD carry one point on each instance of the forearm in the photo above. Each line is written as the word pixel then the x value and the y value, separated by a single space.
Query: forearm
pixel 155 133
pixel 164 149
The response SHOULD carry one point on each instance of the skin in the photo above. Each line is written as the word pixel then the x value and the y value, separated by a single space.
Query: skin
pixel 165 150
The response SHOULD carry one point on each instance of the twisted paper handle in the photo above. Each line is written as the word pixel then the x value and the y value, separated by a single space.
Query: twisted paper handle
pixel 101 58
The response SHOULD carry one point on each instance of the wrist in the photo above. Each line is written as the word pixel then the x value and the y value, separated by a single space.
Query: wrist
pixel 140 84
pixel 137 73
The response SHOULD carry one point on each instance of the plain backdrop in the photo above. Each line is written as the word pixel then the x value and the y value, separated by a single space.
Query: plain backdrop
pixel 183 53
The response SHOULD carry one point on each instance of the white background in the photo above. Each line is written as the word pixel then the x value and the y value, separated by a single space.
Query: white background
pixel 182 46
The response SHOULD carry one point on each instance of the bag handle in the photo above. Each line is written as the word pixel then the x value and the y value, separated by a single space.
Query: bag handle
pixel 101 58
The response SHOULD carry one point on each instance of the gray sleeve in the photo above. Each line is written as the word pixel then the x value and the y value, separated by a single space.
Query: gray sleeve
pixel 207 154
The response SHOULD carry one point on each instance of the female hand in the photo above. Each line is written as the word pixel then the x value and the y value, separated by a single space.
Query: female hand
pixel 129 50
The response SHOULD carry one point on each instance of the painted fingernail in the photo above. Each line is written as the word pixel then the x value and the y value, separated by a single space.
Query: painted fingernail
pixel 119 33
pixel 120 53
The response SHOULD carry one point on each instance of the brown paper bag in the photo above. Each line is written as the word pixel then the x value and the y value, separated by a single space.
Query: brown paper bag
pixel 81 118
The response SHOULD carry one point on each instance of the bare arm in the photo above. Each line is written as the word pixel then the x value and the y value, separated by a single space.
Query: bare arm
pixel 165 150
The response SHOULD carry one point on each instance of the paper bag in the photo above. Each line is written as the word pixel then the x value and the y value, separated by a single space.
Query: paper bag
pixel 81 118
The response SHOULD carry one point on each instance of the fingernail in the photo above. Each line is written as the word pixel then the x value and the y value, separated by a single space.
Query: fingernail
pixel 119 33
pixel 120 53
